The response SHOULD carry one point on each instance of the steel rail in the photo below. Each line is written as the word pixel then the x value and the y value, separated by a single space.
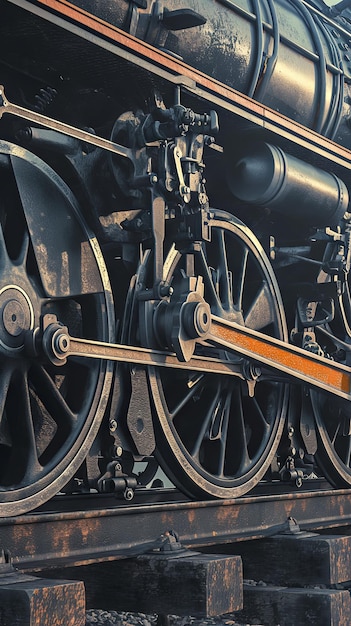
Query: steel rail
pixel 78 537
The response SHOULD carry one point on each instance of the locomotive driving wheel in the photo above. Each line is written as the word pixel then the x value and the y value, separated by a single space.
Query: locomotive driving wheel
pixel 49 265
pixel 214 439
pixel 333 414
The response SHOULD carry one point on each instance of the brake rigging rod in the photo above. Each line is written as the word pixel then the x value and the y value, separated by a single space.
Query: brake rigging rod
pixel 61 127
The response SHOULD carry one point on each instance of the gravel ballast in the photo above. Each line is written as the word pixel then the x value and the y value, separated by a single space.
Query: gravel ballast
pixel 114 618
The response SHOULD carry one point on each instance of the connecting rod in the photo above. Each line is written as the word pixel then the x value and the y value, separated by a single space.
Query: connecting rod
pixel 266 354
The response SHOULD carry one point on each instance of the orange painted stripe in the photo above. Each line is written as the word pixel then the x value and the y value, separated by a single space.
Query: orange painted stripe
pixel 281 355
pixel 99 26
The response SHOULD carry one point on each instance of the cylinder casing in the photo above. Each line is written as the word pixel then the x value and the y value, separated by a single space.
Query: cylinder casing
pixel 265 175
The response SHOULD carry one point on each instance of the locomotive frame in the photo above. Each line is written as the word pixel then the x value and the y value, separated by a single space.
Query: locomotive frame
pixel 219 328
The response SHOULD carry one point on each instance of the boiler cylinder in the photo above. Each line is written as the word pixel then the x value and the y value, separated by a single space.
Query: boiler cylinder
pixel 280 52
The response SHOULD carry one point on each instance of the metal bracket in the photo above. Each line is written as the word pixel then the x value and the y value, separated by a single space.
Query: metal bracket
pixel 116 481
pixel 168 546
pixel 292 529
pixel 139 416
pixel 6 566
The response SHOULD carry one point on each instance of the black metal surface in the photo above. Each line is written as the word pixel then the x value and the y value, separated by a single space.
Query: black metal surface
pixel 232 436
pixel 70 267
pixel 165 67
pixel 266 176
pixel 48 422
pixel 238 38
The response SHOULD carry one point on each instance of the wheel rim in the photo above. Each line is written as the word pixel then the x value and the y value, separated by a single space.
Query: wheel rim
pixel 49 415
pixel 213 440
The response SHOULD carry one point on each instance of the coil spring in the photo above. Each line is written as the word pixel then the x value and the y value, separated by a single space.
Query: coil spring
pixel 44 98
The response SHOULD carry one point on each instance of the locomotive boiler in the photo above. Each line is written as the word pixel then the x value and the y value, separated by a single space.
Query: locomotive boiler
pixel 174 246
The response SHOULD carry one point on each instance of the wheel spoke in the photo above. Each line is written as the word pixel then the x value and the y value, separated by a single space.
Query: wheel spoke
pixel 206 425
pixel 348 452
pixel 211 292
pixel 240 431
pixel 240 280
pixel 225 286
pixel 52 399
pixel 4 258
pixel 49 416
pixel 24 448
pixel 192 389
pixel 224 433
pixel 5 380
pixel 333 440
pixel 259 413
pixel 260 314
pixel 29 434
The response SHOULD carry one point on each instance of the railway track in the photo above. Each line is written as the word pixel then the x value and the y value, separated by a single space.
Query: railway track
pixel 99 539
pixel 84 529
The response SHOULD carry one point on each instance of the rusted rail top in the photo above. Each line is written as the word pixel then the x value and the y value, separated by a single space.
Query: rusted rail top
pixel 41 540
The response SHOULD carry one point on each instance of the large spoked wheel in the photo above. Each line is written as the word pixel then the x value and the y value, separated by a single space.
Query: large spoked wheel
pixel 213 439
pixel 333 420
pixel 333 414
pixel 49 265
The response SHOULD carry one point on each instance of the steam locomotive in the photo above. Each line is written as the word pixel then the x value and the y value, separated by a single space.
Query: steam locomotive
pixel 175 246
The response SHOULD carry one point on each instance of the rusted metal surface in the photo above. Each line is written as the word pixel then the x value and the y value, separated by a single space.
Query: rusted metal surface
pixel 300 559
pixel 287 358
pixel 41 540
pixel 292 360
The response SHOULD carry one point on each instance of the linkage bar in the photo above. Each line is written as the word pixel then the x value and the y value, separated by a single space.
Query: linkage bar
pixel 61 127
pixel 292 360
pixel 144 356
pixel 254 346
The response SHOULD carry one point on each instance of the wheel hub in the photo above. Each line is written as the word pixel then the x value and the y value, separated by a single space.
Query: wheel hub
pixel 185 319
pixel 16 317
pixel 196 318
